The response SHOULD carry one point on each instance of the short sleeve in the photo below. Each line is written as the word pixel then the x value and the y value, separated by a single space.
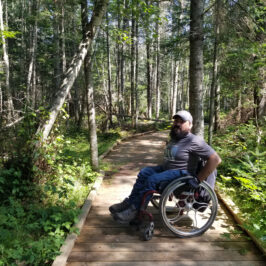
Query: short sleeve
pixel 200 148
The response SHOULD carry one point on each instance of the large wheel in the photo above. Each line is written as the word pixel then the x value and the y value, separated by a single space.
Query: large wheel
pixel 188 212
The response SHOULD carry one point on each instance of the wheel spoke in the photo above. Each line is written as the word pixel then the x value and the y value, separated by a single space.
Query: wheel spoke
pixel 186 214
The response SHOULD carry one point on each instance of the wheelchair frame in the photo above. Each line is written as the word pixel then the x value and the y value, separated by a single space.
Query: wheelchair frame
pixel 182 209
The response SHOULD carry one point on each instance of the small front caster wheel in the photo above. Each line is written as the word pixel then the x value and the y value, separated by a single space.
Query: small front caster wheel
pixel 148 231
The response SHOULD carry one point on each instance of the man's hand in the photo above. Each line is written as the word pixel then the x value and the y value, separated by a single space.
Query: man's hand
pixel 193 182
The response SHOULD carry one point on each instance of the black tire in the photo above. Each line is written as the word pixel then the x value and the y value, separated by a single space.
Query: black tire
pixel 147 231
pixel 191 214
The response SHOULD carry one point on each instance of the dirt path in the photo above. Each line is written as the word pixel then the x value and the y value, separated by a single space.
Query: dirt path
pixel 103 242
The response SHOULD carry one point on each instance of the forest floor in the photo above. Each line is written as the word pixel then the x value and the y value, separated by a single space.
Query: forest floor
pixel 104 242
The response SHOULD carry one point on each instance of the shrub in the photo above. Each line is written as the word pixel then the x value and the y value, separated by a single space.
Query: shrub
pixel 242 149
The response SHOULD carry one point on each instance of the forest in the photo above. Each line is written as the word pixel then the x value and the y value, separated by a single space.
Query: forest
pixel 77 75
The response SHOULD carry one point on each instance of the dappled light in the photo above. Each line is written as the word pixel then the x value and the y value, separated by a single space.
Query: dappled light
pixel 94 90
pixel 103 240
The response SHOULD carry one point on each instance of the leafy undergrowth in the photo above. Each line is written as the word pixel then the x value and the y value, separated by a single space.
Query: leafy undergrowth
pixel 41 202
pixel 39 206
pixel 243 177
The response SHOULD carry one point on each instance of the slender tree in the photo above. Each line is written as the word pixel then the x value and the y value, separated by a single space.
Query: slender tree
pixel 90 91
pixel 137 68
pixel 175 83
pixel 1 101
pixel 56 33
pixel 133 65
pixel 10 107
pixel 157 82
pixel 149 85
pixel 62 36
pixel 72 72
pixel 214 85
pixel 123 58
pixel 31 78
pixel 196 66
pixel 109 73
pixel 118 65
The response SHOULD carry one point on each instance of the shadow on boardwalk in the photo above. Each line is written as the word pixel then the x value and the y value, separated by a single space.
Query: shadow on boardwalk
pixel 103 242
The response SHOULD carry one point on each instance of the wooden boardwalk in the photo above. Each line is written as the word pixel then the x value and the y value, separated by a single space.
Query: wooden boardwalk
pixel 103 242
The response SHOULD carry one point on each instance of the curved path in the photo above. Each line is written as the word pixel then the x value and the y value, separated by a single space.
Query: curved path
pixel 102 242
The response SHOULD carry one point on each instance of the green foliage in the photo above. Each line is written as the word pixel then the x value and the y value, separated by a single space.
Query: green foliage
pixel 15 179
pixel 242 149
pixel 106 140
pixel 8 34
pixel 32 233
pixel 41 202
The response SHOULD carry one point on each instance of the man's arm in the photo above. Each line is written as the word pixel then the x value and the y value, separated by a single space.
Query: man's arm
pixel 211 164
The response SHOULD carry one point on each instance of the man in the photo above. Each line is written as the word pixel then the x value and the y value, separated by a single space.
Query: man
pixel 181 158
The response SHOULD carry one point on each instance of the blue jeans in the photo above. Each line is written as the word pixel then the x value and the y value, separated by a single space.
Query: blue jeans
pixel 149 178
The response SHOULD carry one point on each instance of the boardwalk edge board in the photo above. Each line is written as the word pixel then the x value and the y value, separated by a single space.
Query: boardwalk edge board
pixel 235 212
pixel 71 238
pixel 66 248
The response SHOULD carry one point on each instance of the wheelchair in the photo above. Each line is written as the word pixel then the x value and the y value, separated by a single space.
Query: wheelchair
pixel 186 212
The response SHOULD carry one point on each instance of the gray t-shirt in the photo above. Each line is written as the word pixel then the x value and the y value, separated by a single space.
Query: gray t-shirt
pixel 184 154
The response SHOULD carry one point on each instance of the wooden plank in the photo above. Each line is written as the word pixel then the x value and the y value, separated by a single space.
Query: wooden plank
pixel 158 231
pixel 187 245
pixel 98 210
pixel 103 209
pixel 163 256
pixel 170 263
pixel 106 221
pixel 135 238
pixel 103 242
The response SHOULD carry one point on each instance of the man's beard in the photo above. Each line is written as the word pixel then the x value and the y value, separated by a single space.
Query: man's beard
pixel 177 135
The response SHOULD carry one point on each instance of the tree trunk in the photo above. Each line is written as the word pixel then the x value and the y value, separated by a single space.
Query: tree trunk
pixel 175 80
pixel 31 89
pixel 34 84
pixel 124 27
pixel 118 65
pixel 239 107
pixel 217 108
pixel 214 72
pixel 179 88
pixel 133 68
pixel 110 107
pixel 137 75
pixel 89 88
pixel 149 89
pixel 262 104
pixel 10 108
pixel 63 52
pixel 157 87
pixel 57 68
pixel 171 88
pixel 196 66
pixel 23 60
pixel 182 86
pixel 62 36
pixel 73 70
pixel 91 116
pixel 122 81
pixel 1 102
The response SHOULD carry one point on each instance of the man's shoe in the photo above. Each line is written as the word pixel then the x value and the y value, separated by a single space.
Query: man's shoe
pixel 126 215
pixel 118 207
